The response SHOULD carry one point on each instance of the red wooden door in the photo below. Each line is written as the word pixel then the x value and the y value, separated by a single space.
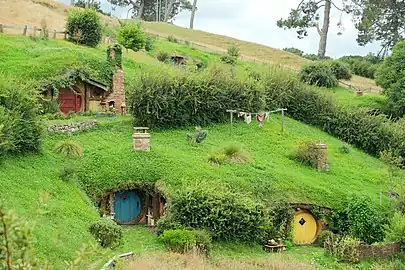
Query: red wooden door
pixel 69 101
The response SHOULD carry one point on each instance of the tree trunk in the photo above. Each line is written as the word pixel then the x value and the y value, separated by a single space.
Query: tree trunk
pixel 324 31
pixel 193 14
pixel 141 7
pixel 169 10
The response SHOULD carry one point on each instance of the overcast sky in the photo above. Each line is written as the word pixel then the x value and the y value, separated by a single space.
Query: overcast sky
pixel 255 20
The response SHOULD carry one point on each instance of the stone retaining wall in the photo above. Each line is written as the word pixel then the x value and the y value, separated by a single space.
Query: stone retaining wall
pixel 72 127
pixel 378 251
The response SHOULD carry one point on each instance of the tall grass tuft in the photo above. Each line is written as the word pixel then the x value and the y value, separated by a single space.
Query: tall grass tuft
pixel 69 148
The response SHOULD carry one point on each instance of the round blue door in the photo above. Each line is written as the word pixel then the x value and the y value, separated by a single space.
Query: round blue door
pixel 127 206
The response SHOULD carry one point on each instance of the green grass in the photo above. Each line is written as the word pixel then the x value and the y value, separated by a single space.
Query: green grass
pixel 347 97
pixel 272 173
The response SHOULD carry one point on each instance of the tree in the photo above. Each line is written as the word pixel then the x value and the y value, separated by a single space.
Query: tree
pixel 391 76
pixel 193 14
pixel 84 27
pixel 152 10
pixel 90 4
pixel 131 37
pixel 379 20
pixel 306 15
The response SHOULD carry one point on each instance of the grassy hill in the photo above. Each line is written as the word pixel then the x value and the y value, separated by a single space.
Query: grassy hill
pixel 31 12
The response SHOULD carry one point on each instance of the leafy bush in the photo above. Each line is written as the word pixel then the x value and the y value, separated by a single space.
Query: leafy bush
pixel 68 171
pixel 107 233
pixel 319 74
pixel 84 27
pixel 234 51
pixel 167 222
pixel 340 70
pixel 131 37
pixel 345 249
pixel 230 60
pixel 365 220
pixel 362 66
pixel 173 39
pixel 395 230
pixel 182 240
pixel 281 214
pixel 69 148
pixel 198 137
pixel 226 216
pixel 323 237
pixel 19 117
pixel 311 56
pixel 294 51
pixel 150 43
pixel 344 148
pixel 163 56
pixel 308 153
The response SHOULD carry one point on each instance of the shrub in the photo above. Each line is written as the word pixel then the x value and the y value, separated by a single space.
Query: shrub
pixel 340 70
pixel 308 153
pixel 345 249
pixel 69 148
pixel 365 221
pixel 150 43
pixel 281 214
pixel 106 232
pixel 226 216
pixel 173 39
pixel 323 237
pixel 68 171
pixel 203 241
pixel 318 74
pixel 198 137
pixel 395 230
pixel 227 59
pixel 84 27
pixel 131 36
pixel 311 56
pixel 180 241
pixel 217 158
pixel 163 56
pixel 294 51
pixel 167 222
pixel 19 117
pixel 234 51
pixel 344 148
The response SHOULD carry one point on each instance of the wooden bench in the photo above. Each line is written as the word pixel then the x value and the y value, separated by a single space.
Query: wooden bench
pixel 274 248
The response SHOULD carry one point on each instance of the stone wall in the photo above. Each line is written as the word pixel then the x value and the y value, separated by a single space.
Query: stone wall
pixel 72 127
pixel 378 251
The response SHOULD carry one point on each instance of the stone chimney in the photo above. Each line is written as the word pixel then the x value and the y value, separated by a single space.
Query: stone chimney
pixel 117 97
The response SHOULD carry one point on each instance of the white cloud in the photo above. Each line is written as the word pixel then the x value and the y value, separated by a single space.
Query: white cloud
pixel 255 20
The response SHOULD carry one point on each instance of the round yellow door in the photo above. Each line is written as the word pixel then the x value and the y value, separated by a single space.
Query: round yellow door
pixel 305 228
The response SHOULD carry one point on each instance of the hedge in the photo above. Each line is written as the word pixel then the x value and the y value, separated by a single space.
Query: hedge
pixel 19 117
pixel 177 99
pixel 226 216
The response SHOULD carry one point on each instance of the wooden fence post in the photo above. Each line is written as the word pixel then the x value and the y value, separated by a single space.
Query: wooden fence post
pixel 54 34
pixel 65 36
pixel 25 30
pixel 1 28
pixel 35 31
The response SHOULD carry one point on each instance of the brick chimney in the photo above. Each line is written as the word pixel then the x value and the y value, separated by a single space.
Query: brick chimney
pixel 117 97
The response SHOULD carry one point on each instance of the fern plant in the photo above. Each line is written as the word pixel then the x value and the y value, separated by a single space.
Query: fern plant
pixel 69 148
pixel 198 137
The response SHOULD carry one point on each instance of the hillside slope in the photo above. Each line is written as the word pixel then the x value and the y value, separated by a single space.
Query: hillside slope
pixel 31 12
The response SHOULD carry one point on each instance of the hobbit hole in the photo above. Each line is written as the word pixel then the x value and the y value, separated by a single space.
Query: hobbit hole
pixel 134 206
pixel 306 227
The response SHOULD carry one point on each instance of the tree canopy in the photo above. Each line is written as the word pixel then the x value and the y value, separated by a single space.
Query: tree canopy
pixel 379 20
pixel 149 11
pixel 307 15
